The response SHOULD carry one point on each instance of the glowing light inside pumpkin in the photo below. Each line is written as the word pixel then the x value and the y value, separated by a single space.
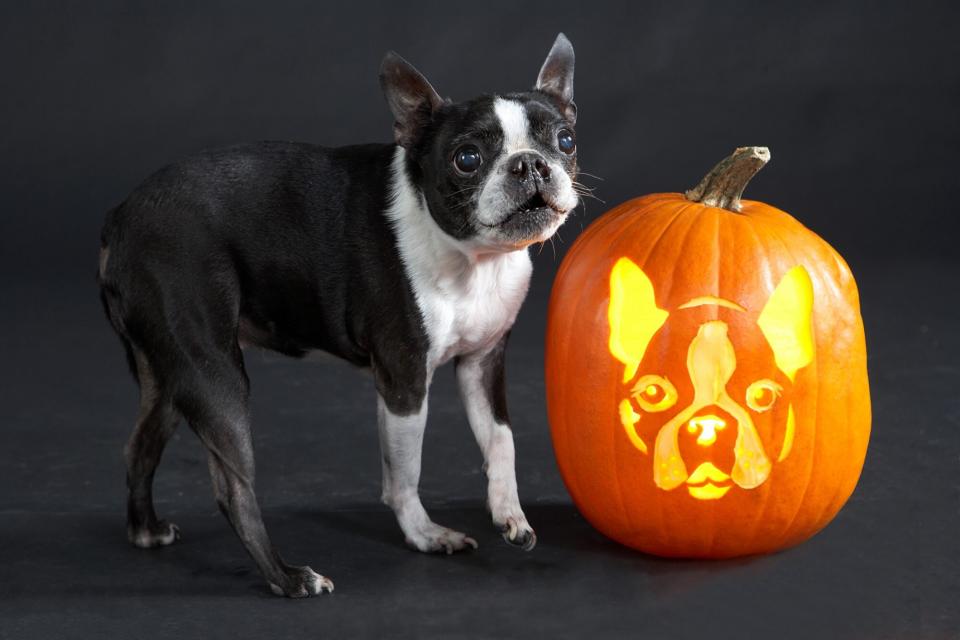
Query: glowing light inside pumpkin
pixel 707 482
pixel 633 315
pixel 708 427
pixel 787 436
pixel 708 491
pixel 635 318
pixel 654 393
pixel 786 322
pixel 762 394
pixel 629 417
pixel 701 301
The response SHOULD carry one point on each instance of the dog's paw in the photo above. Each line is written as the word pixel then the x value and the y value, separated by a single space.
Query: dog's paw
pixel 432 538
pixel 303 582
pixel 160 534
pixel 518 532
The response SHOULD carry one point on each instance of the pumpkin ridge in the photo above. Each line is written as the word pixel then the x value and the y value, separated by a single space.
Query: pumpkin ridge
pixel 768 223
pixel 568 477
pixel 581 295
pixel 824 248
pixel 695 210
pixel 617 252
pixel 833 506
pixel 770 280
pixel 811 370
pixel 717 268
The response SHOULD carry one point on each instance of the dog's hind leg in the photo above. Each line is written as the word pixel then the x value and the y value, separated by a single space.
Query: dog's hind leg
pixel 215 406
pixel 156 422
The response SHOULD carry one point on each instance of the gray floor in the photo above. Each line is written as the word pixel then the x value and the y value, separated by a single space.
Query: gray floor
pixel 887 567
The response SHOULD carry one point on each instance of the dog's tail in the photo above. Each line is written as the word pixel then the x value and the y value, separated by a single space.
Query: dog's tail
pixel 111 296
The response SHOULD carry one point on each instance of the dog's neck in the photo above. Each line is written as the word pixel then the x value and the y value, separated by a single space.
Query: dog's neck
pixel 468 298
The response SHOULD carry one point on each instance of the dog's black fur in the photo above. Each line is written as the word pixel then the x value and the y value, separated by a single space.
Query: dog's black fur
pixel 321 273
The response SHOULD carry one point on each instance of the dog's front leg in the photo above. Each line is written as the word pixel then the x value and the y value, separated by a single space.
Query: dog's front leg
pixel 481 378
pixel 401 443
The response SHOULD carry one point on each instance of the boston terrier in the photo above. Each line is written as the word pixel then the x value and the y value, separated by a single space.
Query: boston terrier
pixel 395 257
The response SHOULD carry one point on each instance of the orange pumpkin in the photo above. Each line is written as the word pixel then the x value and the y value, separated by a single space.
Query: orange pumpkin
pixel 706 372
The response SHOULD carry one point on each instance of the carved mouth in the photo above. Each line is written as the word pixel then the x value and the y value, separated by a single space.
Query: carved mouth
pixel 708 483
pixel 708 491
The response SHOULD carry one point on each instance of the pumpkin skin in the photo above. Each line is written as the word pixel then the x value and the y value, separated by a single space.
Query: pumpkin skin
pixel 713 273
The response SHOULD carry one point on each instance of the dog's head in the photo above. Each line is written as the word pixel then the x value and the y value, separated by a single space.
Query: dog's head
pixel 496 171
pixel 737 374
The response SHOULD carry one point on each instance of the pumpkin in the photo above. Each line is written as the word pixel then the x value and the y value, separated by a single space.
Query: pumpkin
pixel 706 372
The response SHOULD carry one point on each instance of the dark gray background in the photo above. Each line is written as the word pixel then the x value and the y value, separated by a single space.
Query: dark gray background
pixel 859 104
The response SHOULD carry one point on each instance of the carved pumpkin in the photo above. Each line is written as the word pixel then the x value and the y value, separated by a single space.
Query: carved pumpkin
pixel 706 372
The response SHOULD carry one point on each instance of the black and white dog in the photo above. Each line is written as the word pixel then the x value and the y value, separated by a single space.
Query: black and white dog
pixel 397 257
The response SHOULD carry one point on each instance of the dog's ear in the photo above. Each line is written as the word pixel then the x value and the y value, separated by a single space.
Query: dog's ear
pixel 633 315
pixel 787 322
pixel 411 98
pixel 556 76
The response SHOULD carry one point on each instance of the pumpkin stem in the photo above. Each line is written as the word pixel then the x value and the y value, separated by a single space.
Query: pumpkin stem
pixel 724 185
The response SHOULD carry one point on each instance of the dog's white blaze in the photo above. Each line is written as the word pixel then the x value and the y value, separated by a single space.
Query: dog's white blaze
pixel 513 121
pixel 468 300
pixel 492 205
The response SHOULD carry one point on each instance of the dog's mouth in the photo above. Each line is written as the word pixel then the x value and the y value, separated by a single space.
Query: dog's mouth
pixel 536 204
pixel 536 201
pixel 708 483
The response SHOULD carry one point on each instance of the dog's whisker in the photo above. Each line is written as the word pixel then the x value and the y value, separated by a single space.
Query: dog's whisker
pixel 589 175
pixel 465 190
pixel 589 194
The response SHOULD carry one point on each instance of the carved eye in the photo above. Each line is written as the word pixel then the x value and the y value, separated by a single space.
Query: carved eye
pixel 654 393
pixel 566 141
pixel 762 394
pixel 467 159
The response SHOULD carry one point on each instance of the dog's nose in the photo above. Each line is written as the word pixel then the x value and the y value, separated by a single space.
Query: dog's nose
pixel 521 165
pixel 708 426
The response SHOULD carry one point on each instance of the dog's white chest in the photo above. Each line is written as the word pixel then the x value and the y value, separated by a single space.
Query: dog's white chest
pixel 467 301
pixel 469 311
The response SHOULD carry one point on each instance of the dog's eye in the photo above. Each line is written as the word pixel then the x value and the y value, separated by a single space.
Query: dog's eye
pixel 467 159
pixel 566 141
pixel 762 394
pixel 654 393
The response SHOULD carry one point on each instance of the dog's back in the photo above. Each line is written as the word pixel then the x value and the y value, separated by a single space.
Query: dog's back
pixel 263 221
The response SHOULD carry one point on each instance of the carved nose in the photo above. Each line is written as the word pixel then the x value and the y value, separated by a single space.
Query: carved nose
pixel 522 164
pixel 708 426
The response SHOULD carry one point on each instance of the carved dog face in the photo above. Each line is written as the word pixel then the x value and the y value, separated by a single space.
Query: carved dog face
pixel 737 373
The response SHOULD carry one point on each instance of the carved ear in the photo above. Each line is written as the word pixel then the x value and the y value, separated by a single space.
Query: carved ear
pixel 411 98
pixel 556 76
pixel 786 321
pixel 633 315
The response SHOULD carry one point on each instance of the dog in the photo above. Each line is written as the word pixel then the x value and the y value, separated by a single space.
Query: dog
pixel 395 257
pixel 710 420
